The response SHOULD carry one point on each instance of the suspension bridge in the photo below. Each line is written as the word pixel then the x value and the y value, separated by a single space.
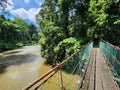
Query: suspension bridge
pixel 90 68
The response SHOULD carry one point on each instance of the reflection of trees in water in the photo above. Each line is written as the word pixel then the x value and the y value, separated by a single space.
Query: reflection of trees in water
pixel 2 69
pixel 15 60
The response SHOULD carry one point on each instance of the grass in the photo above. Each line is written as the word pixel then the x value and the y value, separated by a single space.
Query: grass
pixel 54 83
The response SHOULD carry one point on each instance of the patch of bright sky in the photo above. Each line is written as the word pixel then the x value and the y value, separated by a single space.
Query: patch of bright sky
pixel 26 9
pixel 27 4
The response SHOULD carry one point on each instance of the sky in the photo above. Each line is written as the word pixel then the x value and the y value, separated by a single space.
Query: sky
pixel 26 9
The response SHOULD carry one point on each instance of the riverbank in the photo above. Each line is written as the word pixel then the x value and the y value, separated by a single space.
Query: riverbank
pixel 20 67
pixel 19 54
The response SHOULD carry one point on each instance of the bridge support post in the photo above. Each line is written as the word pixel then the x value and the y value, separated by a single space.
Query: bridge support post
pixel 62 87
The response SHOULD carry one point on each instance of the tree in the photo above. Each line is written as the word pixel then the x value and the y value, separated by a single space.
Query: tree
pixel 79 20
pixel 105 16
pixel 47 13
pixel 56 22
pixel 23 27
pixel 3 4
pixel 8 34
pixel 50 37
pixel 64 14
pixel 14 33
pixel 33 32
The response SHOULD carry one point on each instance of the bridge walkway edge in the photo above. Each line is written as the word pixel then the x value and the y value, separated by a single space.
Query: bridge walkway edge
pixel 98 75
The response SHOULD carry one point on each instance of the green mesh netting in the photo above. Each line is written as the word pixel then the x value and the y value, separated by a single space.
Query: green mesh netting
pixel 77 65
pixel 72 72
pixel 113 57
pixel 81 58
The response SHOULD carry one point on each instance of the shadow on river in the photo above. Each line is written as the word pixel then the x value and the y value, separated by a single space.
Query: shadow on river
pixel 19 67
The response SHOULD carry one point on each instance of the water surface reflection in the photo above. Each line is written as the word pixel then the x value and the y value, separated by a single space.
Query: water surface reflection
pixel 20 67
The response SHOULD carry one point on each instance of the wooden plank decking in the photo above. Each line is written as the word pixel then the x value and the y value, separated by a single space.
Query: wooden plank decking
pixel 98 76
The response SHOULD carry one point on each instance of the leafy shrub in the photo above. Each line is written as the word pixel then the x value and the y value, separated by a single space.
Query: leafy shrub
pixel 20 44
pixel 66 47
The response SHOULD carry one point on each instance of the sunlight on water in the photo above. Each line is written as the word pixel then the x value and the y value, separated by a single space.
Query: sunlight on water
pixel 15 77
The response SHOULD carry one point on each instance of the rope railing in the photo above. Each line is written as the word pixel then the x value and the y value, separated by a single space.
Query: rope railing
pixel 116 47
pixel 74 65
pixel 112 55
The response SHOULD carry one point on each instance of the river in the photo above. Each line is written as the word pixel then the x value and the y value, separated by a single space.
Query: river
pixel 19 67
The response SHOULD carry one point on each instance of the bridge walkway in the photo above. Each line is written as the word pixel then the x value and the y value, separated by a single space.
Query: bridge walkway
pixel 98 76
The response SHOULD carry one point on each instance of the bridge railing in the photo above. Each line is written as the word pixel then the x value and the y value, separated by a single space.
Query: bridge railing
pixel 71 72
pixel 112 55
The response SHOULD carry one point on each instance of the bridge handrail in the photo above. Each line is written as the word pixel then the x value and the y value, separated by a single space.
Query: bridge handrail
pixel 116 47
pixel 112 58
pixel 56 68
pixel 113 46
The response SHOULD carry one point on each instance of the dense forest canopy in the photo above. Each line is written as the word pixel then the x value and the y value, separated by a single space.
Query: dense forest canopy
pixel 68 24
pixel 16 32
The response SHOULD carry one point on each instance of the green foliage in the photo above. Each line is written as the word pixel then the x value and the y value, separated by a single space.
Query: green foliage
pixel 68 24
pixel 47 13
pixel 50 36
pixel 62 28
pixel 66 47
pixel 20 44
pixel 6 45
pixel 117 21
pixel 15 33
pixel 74 28
pixel 33 33
pixel 105 19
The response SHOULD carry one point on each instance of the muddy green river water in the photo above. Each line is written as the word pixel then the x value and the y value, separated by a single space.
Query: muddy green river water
pixel 19 67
